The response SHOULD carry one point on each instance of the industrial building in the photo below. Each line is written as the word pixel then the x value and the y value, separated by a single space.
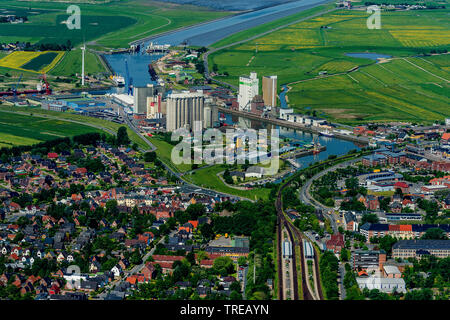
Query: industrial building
pixel 185 109
pixel 156 108
pixel 140 98
pixel 387 285
pixel 248 88
pixel 269 88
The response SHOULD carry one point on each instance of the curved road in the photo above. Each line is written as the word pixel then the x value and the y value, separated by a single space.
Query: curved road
pixel 307 198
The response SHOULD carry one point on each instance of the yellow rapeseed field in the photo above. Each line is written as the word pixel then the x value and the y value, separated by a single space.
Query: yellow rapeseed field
pixel 421 38
pixel 17 59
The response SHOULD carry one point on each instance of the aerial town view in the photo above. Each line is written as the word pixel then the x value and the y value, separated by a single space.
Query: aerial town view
pixel 233 151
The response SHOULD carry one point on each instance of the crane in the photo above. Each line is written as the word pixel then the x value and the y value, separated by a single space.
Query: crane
pixel 16 86
pixel 48 91
pixel 129 79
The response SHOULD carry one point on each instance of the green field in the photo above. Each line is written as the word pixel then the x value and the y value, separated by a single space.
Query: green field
pixel 103 25
pixel 71 64
pixel 165 152
pixel 207 177
pixel 406 87
pixel 76 117
pixel 41 61
pixel 16 129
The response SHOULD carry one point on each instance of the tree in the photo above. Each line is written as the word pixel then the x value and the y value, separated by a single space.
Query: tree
pixel 345 255
pixel 122 136
pixel 195 210
pixel 223 265
pixel 242 261
pixel 150 156
pixel 369 217
pixel 435 234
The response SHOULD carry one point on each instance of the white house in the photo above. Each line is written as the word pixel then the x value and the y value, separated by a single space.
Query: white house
pixel 117 271
pixel 254 172
pixel 387 285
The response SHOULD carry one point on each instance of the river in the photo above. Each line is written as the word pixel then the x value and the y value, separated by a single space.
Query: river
pixel 211 32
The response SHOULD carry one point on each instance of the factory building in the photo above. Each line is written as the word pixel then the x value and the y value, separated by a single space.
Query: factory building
pixel 269 88
pixel 248 88
pixel 184 109
pixel 156 108
pixel 140 98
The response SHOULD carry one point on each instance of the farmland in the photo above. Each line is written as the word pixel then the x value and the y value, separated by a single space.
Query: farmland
pixel 16 129
pixel 71 64
pixel 40 62
pixel 406 87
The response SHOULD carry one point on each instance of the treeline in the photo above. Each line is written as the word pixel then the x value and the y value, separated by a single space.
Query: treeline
pixel 49 46
pixel 60 144
pixel 328 272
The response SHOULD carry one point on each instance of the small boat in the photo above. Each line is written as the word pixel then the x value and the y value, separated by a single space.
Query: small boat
pixel 118 80
pixel 326 133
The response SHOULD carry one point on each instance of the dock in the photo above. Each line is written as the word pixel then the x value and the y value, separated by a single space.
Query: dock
pixel 292 125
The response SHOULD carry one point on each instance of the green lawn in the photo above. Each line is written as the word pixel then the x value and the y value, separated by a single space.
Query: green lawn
pixel 207 177
pixel 414 89
pixel 164 153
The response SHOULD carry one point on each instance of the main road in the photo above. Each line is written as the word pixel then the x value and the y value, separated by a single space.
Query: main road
pixel 306 197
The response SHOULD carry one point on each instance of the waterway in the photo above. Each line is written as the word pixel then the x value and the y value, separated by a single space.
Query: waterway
pixel 209 33
pixel 203 35
pixel 333 145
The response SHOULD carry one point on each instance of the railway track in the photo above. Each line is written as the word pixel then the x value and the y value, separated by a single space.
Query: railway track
pixel 295 237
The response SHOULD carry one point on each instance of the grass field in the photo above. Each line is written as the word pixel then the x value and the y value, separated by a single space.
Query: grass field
pixel 76 117
pixel 165 152
pixel 71 64
pixel 16 129
pixel 406 87
pixel 207 177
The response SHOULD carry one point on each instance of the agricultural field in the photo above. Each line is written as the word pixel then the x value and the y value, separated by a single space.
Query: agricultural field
pixel 16 129
pixel 39 62
pixel 407 86
pixel 103 25
pixel 71 64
